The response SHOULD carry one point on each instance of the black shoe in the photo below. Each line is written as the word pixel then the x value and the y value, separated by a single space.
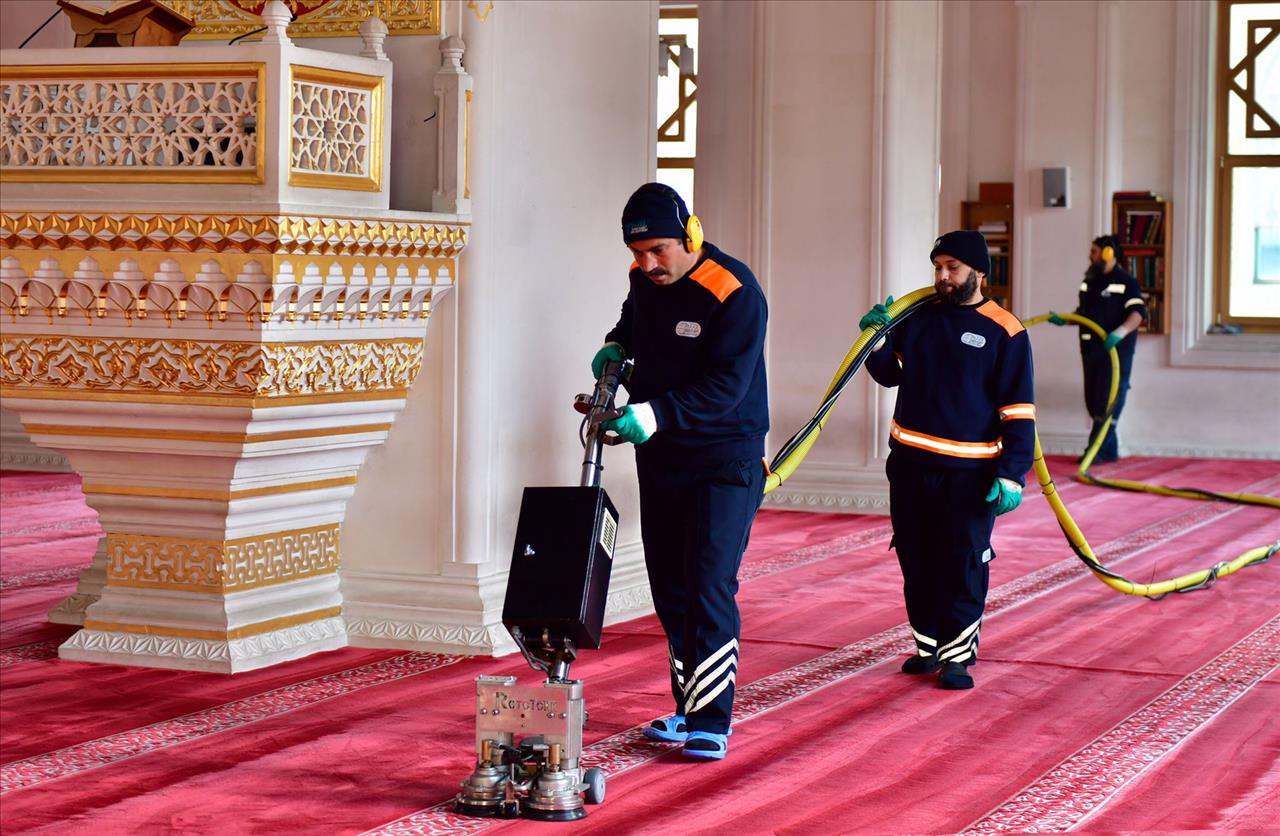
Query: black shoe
pixel 955 677
pixel 921 664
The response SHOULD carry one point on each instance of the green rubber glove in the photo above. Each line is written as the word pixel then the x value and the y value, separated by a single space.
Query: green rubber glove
pixel 1006 494
pixel 636 423
pixel 877 317
pixel 1055 319
pixel 1113 340
pixel 609 352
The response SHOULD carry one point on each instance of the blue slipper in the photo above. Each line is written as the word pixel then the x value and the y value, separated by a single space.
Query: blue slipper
pixel 709 745
pixel 669 729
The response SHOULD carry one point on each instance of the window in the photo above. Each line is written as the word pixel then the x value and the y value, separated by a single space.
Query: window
pixel 677 98
pixel 1248 142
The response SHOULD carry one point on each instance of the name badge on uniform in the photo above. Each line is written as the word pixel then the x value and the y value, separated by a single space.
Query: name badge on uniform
pixel 975 340
pixel 688 329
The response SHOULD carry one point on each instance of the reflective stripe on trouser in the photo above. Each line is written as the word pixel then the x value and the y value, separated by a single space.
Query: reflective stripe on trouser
pixel 695 521
pixel 942 527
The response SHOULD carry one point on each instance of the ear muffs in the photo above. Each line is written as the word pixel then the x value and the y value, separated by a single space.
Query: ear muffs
pixel 693 237
pixel 1108 253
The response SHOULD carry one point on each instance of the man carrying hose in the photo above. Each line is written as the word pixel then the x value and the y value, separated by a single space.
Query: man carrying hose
pixel 694 322
pixel 962 439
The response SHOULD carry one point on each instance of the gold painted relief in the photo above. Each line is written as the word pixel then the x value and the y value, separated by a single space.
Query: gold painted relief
pixel 226 19
pixel 221 566
pixel 129 123
pixel 335 129
pixel 180 367
pixel 273 234
pixel 248 630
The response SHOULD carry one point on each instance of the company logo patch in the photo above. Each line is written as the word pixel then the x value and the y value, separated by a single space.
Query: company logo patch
pixel 975 340
pixel 639 226
pixel 688 329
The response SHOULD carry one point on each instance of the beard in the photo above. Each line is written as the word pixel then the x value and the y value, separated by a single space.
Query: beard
pixel 958 294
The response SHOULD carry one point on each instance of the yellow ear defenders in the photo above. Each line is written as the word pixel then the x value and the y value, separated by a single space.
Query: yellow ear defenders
pixel 1108 253
pixel 693 234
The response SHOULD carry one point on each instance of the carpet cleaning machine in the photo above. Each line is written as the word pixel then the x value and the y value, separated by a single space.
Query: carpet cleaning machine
pixel 529 737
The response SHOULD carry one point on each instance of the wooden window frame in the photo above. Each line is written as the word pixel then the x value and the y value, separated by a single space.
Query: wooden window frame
pixel 1227 164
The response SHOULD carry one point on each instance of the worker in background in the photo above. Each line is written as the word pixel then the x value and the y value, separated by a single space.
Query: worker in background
pixel 960 444
pixel 1109 295
pixel 694 323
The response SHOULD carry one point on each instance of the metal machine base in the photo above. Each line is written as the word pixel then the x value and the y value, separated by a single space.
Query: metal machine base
pixel 528 742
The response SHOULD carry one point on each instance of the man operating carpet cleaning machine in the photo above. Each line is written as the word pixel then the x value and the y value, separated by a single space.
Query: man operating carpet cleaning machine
pixel 529 737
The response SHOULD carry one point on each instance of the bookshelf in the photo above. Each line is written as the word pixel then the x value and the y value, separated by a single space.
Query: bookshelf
pixel 1140 220
pixel 995 222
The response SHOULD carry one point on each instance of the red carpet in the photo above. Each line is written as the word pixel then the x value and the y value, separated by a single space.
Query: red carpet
pixel 1093 712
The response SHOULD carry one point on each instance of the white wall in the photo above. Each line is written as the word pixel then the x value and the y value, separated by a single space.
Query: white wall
pixel 1089 85
pixel 562 134
pixel 821 119
pixel 22 17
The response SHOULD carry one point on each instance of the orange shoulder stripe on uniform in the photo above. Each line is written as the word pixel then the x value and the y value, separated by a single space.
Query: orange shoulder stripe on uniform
pixel 1001 317
pixel 716 279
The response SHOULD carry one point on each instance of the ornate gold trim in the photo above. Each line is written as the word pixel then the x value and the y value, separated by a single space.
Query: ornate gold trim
pixel 201 435
pixel 220 21
pixel 218 496
pixel 222 566
pixel 174 235
pixel 154 174
pixel 190 367
pixel 215 635
pixel 466 147
pixel 229 401
pixel 339 78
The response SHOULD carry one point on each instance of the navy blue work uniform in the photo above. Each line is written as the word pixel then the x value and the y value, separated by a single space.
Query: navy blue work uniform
pixel 965 415
pixel 1107 299
pixel 698 346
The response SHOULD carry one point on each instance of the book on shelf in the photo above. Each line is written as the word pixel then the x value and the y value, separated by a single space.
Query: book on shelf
pixel 1142 226
pixel 993 226
pixel 1137 195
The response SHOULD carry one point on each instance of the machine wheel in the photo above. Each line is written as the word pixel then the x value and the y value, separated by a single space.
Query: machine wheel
pixel 594 779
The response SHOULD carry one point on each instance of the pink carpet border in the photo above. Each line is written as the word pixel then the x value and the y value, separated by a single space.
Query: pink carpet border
pixel 1083 783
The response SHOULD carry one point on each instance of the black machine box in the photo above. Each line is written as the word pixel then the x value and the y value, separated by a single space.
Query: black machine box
pixel 561 563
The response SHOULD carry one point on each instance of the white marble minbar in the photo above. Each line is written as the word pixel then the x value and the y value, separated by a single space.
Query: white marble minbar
pixel 209 310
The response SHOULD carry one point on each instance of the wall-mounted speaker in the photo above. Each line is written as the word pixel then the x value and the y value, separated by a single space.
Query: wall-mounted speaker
pixel 1057 187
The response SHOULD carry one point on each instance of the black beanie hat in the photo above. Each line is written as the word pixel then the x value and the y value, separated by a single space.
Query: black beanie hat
pixel 1104 241
pixel 966 245
pixel 655 210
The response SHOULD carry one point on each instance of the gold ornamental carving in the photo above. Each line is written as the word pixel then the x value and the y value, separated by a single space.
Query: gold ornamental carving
pixel 180 367
pixel 130 123
pixel 226 19
pixel 268 234
pixel 335 129
pixel 222 566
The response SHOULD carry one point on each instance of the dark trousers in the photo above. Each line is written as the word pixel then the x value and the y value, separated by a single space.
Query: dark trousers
pixel 695 520
pixel 1097 384
pixel 942 527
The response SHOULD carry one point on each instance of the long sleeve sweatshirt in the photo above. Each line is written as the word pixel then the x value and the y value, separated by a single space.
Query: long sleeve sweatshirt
pixel 965 388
